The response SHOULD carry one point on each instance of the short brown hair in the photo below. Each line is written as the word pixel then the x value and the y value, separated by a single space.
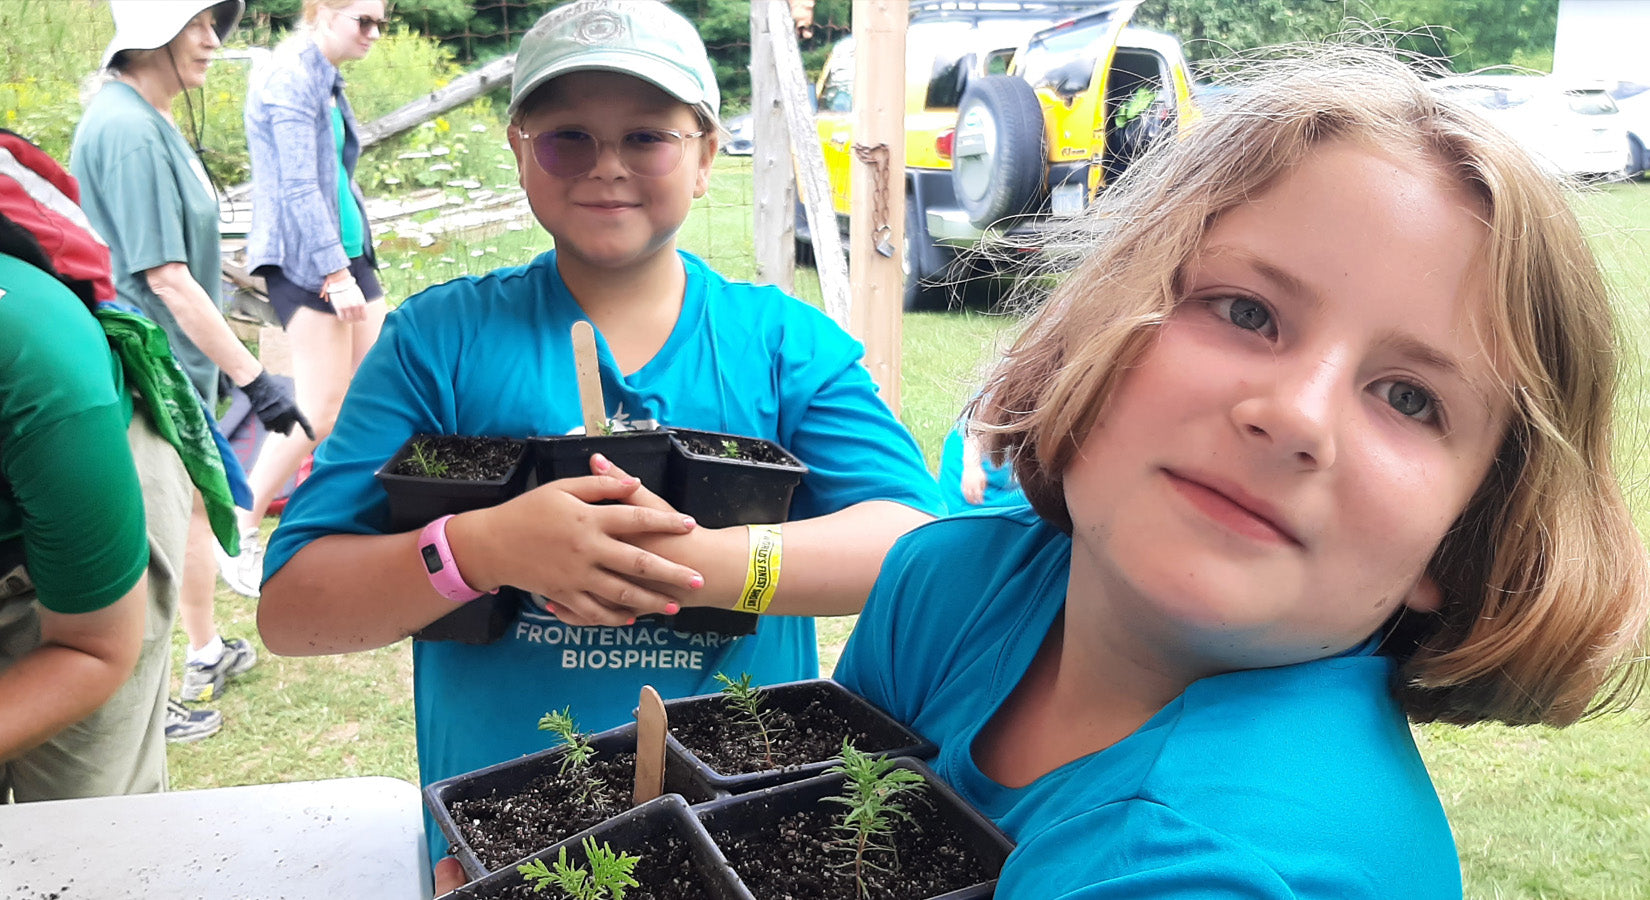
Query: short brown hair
pixel 1545 578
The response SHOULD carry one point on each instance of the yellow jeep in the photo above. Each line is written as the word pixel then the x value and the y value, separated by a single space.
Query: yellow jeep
pixel 1012 110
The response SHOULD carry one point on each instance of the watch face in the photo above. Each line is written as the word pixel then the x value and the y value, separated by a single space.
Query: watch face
pixel 432 558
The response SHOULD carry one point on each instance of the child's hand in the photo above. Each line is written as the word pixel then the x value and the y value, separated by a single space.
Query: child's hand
pixel 556 541
pixel 717 554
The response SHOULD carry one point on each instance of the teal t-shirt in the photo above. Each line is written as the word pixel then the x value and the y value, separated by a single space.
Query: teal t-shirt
pixel 1298 782
pixel 148 197
pixel 352 231
pixel 68 486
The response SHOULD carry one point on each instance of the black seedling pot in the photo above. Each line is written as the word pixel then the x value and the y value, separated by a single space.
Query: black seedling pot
pixel 663 832
pixel 638 453
pixel 753 486
pixel 970 849
pixel 417 500
pixel 822 711
pixel 512 777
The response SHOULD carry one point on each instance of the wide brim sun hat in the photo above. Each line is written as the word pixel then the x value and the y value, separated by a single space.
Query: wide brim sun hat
pixel 642 38
pixel 148 24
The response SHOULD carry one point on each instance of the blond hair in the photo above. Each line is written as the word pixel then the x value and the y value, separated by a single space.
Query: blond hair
pixel 312 8
pixel 1545 579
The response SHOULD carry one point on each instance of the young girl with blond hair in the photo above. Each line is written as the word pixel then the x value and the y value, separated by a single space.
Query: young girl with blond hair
pixel 1317 443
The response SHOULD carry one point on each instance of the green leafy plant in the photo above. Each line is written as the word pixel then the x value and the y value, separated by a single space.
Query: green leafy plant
pixel 875 795
pixel 607 878
pixel 576 755
pixel 730 449
pixel 425 460
pixel 746 700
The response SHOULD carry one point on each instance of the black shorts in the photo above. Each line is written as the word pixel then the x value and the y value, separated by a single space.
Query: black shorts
pixel 286 297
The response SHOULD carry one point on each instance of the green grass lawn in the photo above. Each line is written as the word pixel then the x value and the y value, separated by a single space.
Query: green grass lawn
pixel 1538 813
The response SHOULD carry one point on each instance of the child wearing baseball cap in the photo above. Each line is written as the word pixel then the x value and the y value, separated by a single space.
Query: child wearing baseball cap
pixel 613 121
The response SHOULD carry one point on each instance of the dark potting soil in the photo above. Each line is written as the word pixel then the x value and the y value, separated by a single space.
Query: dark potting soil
pixel 461 458
pixel 504 828
pixel 665 872
pixel 744 449
pixel 805 858
pixel 725 741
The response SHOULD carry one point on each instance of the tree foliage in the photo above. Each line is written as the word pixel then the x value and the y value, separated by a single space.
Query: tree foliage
pixel 1468 34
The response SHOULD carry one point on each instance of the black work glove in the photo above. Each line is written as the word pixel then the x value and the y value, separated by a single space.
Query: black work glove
pixel 272 403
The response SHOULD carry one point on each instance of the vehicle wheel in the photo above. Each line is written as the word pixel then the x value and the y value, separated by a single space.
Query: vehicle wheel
pixel 921 291
pixel 997 162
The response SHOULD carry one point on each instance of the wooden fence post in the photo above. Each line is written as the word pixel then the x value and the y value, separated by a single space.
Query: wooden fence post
pixel 810 160
pixel 773 183
pixel 877 221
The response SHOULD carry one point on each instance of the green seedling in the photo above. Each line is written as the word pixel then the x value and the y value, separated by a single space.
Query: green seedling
pixel 746 700
pixel 575 759
pixel 607 878
pixel 730 449
pixel 875 795
pixel 425 460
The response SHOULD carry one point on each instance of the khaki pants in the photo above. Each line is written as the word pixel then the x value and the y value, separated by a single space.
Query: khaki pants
pixel 121 747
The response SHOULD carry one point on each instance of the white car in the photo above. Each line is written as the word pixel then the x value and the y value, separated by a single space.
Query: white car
pixel 1633 100
pixel 1573 127
pixel 741 135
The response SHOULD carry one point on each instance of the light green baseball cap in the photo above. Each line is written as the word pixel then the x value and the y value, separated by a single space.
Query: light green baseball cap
pixel 642 38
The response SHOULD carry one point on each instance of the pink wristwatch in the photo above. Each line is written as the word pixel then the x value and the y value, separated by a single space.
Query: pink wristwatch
pixel 438 562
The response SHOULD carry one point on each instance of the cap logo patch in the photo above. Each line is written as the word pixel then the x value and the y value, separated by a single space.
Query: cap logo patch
pixel 597 27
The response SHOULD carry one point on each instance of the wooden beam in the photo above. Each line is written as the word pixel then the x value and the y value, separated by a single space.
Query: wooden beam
pixel 459 91
pixel 877 220
pixel 829 258
pixel 773 180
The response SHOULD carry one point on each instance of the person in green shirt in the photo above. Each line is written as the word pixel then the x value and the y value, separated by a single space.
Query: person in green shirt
pixel 87 583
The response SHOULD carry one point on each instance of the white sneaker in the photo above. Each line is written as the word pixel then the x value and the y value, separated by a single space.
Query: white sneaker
pixel 245 572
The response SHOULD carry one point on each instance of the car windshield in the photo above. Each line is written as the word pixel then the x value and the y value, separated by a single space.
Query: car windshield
pixel 1062 59
pixel 961 48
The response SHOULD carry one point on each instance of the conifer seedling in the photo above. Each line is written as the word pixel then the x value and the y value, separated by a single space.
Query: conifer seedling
pixel 575 760
pixel 875 797
pixel 746 700
pixel 425 459
pixel 607 878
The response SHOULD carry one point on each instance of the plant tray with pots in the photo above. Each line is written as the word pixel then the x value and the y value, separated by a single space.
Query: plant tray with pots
pixel 810 720
pixel 432 476
pixel 677 860
pixel 723 480
pixel 499 814
pixel 785 841
pixel 639 453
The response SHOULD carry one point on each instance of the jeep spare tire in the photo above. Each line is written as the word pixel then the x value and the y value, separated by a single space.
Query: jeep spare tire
pixel 997 154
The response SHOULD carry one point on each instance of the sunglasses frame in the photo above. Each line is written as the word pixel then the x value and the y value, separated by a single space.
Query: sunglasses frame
pixel 682 137
pixel 367 23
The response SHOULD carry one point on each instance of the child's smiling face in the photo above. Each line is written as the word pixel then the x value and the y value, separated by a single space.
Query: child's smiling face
pixel 610 217
pixel 1268 484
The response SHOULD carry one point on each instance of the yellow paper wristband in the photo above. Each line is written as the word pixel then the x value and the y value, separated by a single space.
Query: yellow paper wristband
pixel 762 574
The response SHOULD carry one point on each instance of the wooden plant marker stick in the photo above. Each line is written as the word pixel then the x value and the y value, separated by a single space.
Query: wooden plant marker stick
pixel 650 746
pixel 590 379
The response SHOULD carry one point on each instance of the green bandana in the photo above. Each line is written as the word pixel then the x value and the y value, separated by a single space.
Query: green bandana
pixel 176 412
